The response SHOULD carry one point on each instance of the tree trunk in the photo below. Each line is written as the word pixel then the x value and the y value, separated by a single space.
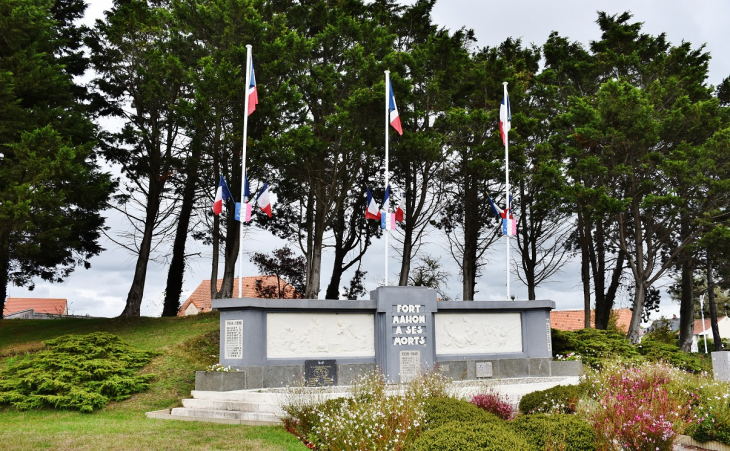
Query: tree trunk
pixel 333 289
pixel 634 326
pixel 314 256
pixel 711 300
pixel 471 238
pixel 687 304
pixel 405 264
pixel 177 263
pixel 136 292
pixel 4 266
pixel 585 269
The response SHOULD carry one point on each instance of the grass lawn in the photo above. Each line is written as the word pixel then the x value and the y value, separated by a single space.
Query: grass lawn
pixel 183 345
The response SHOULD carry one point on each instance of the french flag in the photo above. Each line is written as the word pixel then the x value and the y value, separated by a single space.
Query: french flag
pixel 253 97
pixel 394 118
pixel 246 211
pixel 388 221
pixel 505 117
pixel 371 211
pixel 221 194
pixel 264 201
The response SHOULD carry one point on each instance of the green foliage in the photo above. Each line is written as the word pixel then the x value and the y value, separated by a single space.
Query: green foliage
pixel 80 372
pixel 556 432
pixel 655 351
pixel 593 345
pixel 714 408
pixel 440 411
pixel 470 436
pixel 661 331
pixel 558 399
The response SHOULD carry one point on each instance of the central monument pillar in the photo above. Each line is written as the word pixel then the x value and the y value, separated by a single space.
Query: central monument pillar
pixel 404 325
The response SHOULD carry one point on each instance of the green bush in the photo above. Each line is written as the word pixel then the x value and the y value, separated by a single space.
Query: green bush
pixel 593 345
pixel 558 399
pixel 655 351
pixel 564 432
pixel 470 436
pixel 440 411
pixel 79 372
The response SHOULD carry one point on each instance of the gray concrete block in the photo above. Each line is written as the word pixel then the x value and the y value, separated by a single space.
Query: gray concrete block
pixel 566 368
pixel 539 367
pixel 282 376
pixel 347 373
pixel 453 369
pixel 513 368
pixel 220 381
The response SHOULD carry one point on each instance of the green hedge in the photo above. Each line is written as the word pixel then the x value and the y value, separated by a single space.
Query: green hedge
pixel 440 411
pixel 593 345
pixel 564 432
pixel 561 397
pixel 471 436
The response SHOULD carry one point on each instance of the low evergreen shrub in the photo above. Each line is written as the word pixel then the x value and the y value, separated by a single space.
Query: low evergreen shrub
pixel 558 399
pixel 594 345
pixel 555 432
pixel 78 372
pixel 470 436
pixel 656 351
pixel 439 411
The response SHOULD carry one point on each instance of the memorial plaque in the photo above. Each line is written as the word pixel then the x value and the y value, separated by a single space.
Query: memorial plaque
pixel 549 339
pixel 410 365
pixel 320 373
pixel 234 339
pixel 484 369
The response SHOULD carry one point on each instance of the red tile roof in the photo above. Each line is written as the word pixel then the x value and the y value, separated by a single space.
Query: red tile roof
pixel 575 320
pixel 201 296
pixel 708 325
pixel 39 305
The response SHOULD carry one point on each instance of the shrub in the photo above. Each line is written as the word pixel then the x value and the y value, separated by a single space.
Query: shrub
pixel 439 411
pixel 638 406
pixel 714 413
pixel 655 351
pixel 456 436
pixel 80 372
pixel 556 432
pixel 593 345
pixel 493 403
pixel 558 399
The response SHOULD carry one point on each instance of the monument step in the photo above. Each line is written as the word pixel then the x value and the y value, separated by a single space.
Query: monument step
pixel 202 414
pixel 241 406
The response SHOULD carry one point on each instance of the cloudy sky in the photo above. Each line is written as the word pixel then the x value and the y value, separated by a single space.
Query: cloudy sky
pixel 102 290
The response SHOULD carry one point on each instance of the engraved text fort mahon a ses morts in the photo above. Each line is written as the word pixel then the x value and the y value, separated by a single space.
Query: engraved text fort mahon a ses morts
pixel 409 323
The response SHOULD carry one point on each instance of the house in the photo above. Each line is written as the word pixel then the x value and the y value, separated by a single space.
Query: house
pixel 199 300
pixel 571 320
pixel 35 308
pixel 723 324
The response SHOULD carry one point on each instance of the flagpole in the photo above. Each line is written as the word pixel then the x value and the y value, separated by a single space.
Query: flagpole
pixel 506 176
pixel 243 171
pixel 387 123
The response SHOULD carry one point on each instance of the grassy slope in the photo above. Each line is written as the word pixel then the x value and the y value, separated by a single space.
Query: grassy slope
pixel 183 346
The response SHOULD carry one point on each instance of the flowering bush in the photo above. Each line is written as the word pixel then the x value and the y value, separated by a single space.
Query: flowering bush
pixel 638 407
pixel 375 416
pixel 714 413
pixel 558 399
pixel 494 403
pixel 220 368
pixel 568 356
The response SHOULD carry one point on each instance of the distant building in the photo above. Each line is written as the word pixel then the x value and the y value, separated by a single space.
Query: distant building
pixel 199 300
pixel 35 308
pixel 571 320
pixel 723 324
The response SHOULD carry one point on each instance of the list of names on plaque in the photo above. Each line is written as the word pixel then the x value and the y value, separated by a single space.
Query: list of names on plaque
pixel 410 365
pixel 234 339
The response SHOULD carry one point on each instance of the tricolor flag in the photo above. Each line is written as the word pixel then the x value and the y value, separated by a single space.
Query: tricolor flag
pixel 264 201
pixel 394 118
pixel 253 97
pixel 221 194
pixel 246 211
pixel 505 117
pixel 509 226
pixel 386 199
pixel 399 214
pixel 371 209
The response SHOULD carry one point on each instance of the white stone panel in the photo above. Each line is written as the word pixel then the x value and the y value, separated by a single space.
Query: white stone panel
pixel 478 333
pixel 319 335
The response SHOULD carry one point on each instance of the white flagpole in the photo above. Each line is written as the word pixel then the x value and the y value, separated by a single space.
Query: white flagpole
pixel 243 172
pixel 506 191
pixel 387 123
